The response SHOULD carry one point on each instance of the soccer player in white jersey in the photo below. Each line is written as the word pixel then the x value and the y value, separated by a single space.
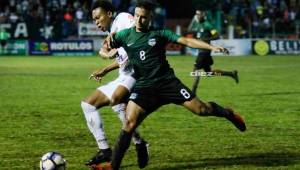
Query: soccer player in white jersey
pixel 113 92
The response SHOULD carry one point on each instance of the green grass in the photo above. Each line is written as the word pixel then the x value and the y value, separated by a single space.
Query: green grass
pixel 40 112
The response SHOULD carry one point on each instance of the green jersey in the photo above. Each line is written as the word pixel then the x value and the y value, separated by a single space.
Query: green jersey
pixel 204 31
pixel 4 35
pixel 146 53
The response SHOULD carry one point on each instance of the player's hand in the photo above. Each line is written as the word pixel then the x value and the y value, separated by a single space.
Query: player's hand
pixel 98 75
pixel 105 43
pixel 221 50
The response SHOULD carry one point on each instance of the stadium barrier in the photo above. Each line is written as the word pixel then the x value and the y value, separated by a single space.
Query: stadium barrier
pixel 174 49
pixel 63 48
pixel 89 29
pixel 16 47
pixel 277 47
pixel 236 47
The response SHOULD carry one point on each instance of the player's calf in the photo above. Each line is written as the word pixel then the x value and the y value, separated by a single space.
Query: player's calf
pixel 229 114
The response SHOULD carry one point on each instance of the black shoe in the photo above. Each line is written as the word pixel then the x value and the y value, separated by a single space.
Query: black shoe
pixel 235 76
pixel 103 155
pixel 142 154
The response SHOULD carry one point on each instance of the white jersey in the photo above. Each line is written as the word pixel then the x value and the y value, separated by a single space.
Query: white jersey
pixel 122 21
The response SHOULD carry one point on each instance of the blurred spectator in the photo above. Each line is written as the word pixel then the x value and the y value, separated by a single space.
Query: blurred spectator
pixel 4 36
pixel 34 22
pixel 79 14
pixel 250 18
pixel 160 15
pixel 67 23
pixel 13 18
pixel 132 7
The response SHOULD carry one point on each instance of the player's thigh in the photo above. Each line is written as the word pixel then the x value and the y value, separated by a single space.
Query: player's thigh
pixel 134 116
pixel 203 60
pixel 124 85
pixel 97 99
pixel 119 94
pixel 200 60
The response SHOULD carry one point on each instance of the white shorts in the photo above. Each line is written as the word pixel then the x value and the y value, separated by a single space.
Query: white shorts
pixel 109 88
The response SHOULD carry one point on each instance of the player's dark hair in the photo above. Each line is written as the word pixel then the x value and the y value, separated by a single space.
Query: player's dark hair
pixel 104 4
pixel 200 8
pixel 146 4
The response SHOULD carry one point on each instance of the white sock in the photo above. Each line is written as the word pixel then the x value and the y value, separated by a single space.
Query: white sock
pixel 95 124
pixel 121 110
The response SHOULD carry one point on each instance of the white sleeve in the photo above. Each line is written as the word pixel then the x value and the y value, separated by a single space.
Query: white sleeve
pixel 122 21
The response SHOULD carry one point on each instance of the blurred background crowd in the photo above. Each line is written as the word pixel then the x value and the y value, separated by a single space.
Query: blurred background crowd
pixel 249 18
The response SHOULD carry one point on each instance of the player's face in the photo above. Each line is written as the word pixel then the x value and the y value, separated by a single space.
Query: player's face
pixel 142 18
pixel 200 15
pixel 102 18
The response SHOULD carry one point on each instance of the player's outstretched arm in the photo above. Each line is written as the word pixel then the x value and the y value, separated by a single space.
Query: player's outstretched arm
pixel 194 43
pixel 100 73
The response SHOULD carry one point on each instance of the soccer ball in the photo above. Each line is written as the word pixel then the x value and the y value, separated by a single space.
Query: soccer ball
pixel 53 161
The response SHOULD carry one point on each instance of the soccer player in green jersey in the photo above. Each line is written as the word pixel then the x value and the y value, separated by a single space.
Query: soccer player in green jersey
pixel 4 36
pixel 156 83
pixel 203 29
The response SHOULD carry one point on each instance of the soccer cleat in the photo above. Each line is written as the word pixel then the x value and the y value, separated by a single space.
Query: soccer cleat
pixel 236 119
pixel 142 154
pixel 235 76
pixel 102 166
pixel 103 155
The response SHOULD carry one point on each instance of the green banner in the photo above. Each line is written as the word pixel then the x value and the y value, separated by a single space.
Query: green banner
pixel 14 47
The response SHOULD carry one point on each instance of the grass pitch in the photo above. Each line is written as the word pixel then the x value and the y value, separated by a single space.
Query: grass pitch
pixel 40 112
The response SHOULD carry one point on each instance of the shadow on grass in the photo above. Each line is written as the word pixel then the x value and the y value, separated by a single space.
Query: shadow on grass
pixel 259 159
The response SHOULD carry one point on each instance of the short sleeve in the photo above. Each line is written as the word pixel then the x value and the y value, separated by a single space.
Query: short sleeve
pixel 169 35
pixel 122 21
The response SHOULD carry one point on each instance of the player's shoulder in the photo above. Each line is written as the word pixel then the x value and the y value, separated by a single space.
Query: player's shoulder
pixel 122 21
pixel 124 18
pixel 166 34
pixel 162 31
pixel 159 29
pixel 125 32
pixel 124 15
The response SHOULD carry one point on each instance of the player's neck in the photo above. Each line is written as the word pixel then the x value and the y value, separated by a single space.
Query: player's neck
pixel 111 23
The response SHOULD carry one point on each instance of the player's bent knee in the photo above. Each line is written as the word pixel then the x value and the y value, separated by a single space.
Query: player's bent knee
pixel 202 110
pixel 88 100
pixel 129 126
pixel 115 100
